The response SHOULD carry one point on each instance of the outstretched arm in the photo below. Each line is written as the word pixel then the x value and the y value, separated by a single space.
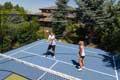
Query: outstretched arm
pixel 49 38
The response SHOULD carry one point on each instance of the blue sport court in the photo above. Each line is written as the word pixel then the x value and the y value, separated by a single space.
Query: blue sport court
pixel 99 65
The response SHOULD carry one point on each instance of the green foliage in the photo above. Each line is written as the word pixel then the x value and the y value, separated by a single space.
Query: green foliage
pixel 89 14
pixel 103 17
pixel 16 29
pixel 70 33
pixel 8 5
pixel 8 8
pixel 59 18
pixel 109 33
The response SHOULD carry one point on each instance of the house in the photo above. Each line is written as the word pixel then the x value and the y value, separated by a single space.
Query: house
pixel 46 15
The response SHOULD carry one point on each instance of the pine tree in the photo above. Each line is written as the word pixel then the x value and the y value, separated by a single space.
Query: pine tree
pixel 103 17
pixel 111 30
pixel 88 13
pixel 59 18
pixel 8 5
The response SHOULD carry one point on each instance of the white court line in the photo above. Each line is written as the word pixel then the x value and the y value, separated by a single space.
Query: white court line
pixel 68 77
pixel 23 49
pixel 63 61
pixel 70 64
pixel 116 73
pixel 39 78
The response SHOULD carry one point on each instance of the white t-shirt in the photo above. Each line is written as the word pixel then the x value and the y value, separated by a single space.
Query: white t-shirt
pixel 52 39
pixel 83 51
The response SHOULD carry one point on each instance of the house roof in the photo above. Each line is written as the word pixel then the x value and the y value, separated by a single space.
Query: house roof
pixel 55 7
pixel 51 7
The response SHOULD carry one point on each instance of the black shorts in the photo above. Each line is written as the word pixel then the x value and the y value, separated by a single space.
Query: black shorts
pixel 82 57
pixel 51 47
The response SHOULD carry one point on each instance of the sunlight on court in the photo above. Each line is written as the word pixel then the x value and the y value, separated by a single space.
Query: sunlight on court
pixel 15 77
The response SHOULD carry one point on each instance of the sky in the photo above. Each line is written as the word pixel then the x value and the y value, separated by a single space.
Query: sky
pixel 34 5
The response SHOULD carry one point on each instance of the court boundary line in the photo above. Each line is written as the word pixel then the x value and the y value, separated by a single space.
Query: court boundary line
pixel 43 42
pixel 23 49
pixel 115 68
pixel 39 78
pixel 61 60
pixel 41 68
pixel 103 73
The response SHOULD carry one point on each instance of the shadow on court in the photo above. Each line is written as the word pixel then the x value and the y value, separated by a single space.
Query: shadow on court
pixel 108 59
pixel 48 53
pixel 117 59
pixel 75 63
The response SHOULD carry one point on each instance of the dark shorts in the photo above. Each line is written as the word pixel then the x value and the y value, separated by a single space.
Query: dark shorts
pixel 51 47
pixel 82 57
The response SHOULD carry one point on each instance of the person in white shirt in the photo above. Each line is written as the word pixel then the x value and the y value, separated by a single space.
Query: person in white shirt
pixel 81 54
pixel 52 43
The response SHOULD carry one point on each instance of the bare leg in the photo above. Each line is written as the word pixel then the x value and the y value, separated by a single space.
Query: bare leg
pixel 80 63
pixel 83 63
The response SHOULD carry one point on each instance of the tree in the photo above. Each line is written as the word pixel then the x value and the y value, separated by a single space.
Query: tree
pixel 59 18
pixel 110 34
pixel 15 29
pixel 1 7
pixel 8 5
pixel 103 17
pixel 14 17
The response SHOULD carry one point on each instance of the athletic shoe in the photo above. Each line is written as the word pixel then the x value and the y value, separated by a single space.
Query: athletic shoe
pixel 79 69
pixel 45 56
pixel 54 57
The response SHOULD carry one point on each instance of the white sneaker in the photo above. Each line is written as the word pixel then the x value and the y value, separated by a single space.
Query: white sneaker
pixel 54 57
pixel 79 69
pixel 44 56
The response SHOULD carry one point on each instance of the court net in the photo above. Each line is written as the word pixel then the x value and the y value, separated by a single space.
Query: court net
pixel 54 75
